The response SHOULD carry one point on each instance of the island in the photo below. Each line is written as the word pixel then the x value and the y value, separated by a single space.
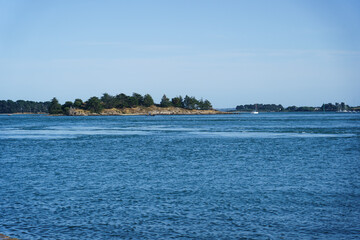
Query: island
pixel 137 104
pixel 120 104
pixel 326 107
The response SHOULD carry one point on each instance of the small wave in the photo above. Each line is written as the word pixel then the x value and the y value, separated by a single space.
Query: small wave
pixel 271 135
pixel 59 134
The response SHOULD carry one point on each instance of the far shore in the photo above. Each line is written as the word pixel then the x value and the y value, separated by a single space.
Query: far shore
pixel 4 237
pixel 150 111
pixel 137 111
pixel 25 113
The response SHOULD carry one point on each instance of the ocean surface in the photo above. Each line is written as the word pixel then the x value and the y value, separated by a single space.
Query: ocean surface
pixel 266 176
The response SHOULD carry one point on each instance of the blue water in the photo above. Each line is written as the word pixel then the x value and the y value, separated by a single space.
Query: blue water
pixel 266 176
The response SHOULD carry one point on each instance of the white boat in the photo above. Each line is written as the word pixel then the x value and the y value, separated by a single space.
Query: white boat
pixel 342 108
pixel 255 111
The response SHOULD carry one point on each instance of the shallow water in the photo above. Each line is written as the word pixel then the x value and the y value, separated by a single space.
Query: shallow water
pixel 266 176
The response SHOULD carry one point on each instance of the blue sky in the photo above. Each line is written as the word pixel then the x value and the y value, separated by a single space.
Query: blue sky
pixel 230 52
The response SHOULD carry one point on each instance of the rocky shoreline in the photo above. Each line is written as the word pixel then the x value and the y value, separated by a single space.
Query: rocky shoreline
pixel 4 237
pixel 152 111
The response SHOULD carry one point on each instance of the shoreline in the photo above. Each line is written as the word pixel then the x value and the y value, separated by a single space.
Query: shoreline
pixel 4 237
pixel 212 112
pixel 144 111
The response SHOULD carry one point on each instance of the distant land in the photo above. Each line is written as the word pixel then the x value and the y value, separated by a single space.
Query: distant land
pixel 328 107
pixel 138 104
pixel 121 104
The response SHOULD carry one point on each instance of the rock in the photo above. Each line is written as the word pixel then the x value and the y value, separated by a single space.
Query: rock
pixel 153 110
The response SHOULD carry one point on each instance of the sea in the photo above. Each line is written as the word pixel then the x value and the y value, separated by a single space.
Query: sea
pixel 233 176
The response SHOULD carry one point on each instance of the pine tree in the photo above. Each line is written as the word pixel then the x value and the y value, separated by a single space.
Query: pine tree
pixel 165 102
pixel 55 107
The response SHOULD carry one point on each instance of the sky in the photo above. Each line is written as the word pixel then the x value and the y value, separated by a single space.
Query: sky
pixel 302 53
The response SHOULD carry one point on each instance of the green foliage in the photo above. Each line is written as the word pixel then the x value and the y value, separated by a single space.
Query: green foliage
pixel 291 109
pixel 205 105
pixel 22 106
pixel 148 100
pixel 94 105
pixel 177 102
pixel 66 107
pixel 108 101
pixel 132 102
pixel 260 107
pixel 78 103
pixel 193 103
pixel 138 99
pixel 165 102
pixel 122 101
pixel 190 102
pixel 329 107
pixel 306 109
pixel 55 107
pixel 68 104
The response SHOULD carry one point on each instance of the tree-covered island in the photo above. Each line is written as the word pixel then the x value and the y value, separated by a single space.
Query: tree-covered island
pixel 326 107
pixel 136 104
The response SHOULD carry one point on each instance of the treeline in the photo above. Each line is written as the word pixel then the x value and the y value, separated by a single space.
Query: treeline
pixel 328 107
pixel 22 106
pixel 107 101
pixel 260 107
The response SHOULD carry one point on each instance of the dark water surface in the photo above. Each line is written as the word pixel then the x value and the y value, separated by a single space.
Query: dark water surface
pixel 266 176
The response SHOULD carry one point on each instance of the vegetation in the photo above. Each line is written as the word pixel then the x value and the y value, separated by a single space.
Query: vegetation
pixel 120 101
pixel 55 107
pixel 328 107
pixel 96 105
pixel 335 107
pixel 165 102
pixel 193 103
pixel 148 100
pixel 260 107
pixel 177 102
pixel 78 103
pixel 21 106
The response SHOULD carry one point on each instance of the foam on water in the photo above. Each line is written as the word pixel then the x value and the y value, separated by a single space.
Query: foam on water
pixel 245 134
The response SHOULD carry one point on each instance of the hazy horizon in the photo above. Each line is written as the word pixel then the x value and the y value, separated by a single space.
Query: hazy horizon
pixel 302 53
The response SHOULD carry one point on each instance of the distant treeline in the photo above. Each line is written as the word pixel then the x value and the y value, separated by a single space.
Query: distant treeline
pixel 328 107
pixel 260 107
pixel 95 104
pixel 21 106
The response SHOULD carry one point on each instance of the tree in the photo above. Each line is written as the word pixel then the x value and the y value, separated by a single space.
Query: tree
pixel 78 103
pixel 67 104
pixel 139 99
pixel 177 102
pixel 329 107
pixel 131 101
pixel 108 101
pixel 190 102
pixel 94 105
pixel 121 101
pixel 165 102
pixel 55 107
pixel 148 100
pixel 205 105
pixel 66 107
pixel 10 106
